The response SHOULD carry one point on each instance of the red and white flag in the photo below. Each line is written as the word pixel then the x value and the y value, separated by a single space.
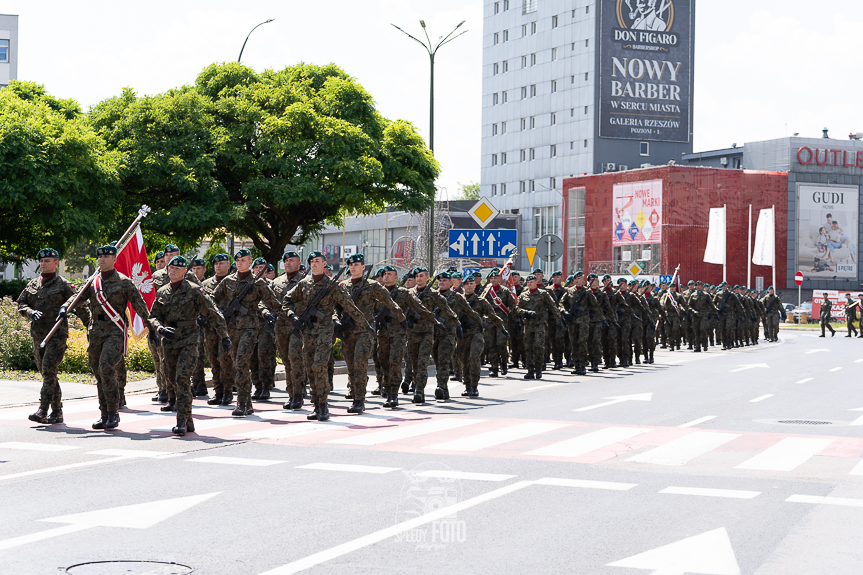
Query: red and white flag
pixel 506 278
pixel 132 261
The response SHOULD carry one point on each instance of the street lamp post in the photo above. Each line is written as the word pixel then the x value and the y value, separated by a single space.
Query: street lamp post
pixel 432 49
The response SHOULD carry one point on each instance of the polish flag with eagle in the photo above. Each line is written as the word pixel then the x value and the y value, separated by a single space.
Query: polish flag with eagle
pixel 506 278
pixel 133 262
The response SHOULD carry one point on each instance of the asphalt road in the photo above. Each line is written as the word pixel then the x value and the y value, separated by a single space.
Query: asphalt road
pixel 749 461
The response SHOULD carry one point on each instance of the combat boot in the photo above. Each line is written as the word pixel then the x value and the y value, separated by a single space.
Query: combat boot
pixel 594 367
pixel 419 397
pixel 122 400
pixel 513 365
pixel 323 411
pixel 257 395
pixel 377 390
pixel 240 410
pixel 492 372
pixel 474 392
pixel 265 392
pixel 558 366
pixel 100 423
pixel 156 398
pixel 349 394
pixel 227 398
pixel 313 416
pixel 190 424
pixel 113 420
pixel 216 399
pixel 41 415
pixel 180 428
pixel 440 393
pixel 537 373
pixel 170 406
pixel 697 349
pixel 358 406
pixel 502 368
pixel 394 402
pixel 163 396
pixel 529 374
pixel 56 416
pixel 638 360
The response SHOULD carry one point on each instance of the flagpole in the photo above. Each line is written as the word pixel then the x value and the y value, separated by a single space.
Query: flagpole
pixel 725 231
pixel 774 246
pixel 749 251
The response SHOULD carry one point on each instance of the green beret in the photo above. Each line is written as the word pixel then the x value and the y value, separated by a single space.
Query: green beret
pixel 699 283
pixel 538 271
pixel 328 267
pixel 690 283
pixel 557 273
pixel 178 261
pixel 606 277
pixel 171 248
pixel 379 273
pixel 271 268
pixel 633 282
pixel 419 269
pixel 47 253
pixel 771 287
pixel 199 262
pixel 644 283
pixel 315 254
pixel 357 259
pixel 591 277
pixel 531 277
pixel 577 274
pixel 492 274
pixel 516 274
pixel 723 284
pixel 259 262
pixel 663 282
pixel 159 256
pixel 477 275
pixel 470 279
pixel 242 252
pixel 442 275
pixel 408 275
pixel 455 274
pixel 388 268
pixel 302 267
pixel 221 258
pixel 621 280
pixel 825 294
pixel 106 251
pixel 290 254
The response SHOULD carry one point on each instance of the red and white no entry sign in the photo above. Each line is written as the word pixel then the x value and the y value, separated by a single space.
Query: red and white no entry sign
pixel 798 278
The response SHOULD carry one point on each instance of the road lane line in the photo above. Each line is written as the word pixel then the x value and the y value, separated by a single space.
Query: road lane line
pixel 835 369
pixel 33 537
pixel 858 469
pixel 497 437
pixel 392 531
pixel 684 449
pixel 247 461
pixel 805 379
pixel 761 398
pixel 348 467
pixel 406 432
pixel 20 445
pixel 447 474
pixel 585 483
pixel 698 421
pixel 825 500
pixel 543 386
pixel 858 360
pixel 588 442
pixel 786 455
pixel 63 467
pixel 705 492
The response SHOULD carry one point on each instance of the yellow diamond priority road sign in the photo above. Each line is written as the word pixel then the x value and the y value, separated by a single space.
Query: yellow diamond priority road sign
pixel 483 212
pixel 634 269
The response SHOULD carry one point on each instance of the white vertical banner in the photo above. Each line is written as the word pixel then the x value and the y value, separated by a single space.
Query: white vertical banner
pixel 765 239
pixel 714 253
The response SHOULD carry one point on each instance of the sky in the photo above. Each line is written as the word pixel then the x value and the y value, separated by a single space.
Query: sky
pixel 763 70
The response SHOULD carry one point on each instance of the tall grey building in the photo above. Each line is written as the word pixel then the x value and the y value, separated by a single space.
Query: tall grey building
pixel 574 87
pixel 8 49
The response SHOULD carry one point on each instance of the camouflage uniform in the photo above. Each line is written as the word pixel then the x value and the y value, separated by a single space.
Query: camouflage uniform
pixel 295 371
pixel 700 309
pixel 263 360
pixel 516 334
pixel 221 361
pixel 391 339
pixel 673 317
pixel 638 317
pixel 772 306
pixel 445 343
pixel 107 341
pixel 494 333
pixel 598 322
pixel 724 303
pixel 470 345
pixel 580 307
pixel 421 337
pixel 558 340
pixel 657 314
pixel 611 328
pixel 160 279
pixel 179 309
pixel 47 296
pixel 624 319
pixel 243 328
pixel 542 305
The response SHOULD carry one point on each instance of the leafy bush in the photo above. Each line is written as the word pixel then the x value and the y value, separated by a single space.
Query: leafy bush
pixel 16 346
pixel 337 351
pixel 12 288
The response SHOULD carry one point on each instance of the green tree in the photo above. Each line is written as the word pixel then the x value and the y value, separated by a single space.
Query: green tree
pixel 468 191
pixel 58 181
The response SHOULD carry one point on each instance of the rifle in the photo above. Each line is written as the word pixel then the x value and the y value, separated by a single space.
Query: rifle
pixel 121 245
pixel 235 308
pixel 305 319
pixel 576 305
pixel 722 305
pixel 346 319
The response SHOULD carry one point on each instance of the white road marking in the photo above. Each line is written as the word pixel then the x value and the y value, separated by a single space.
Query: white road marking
pixel 406 432
pixel 349 468
pixel 130 453
pixel 746 366
pixel 808 351
pixel 761 398
pixel 75 406
pixel 684 449
pixel 289 430
pixel 710 552
pixel 543 386
pixel 786 455
pixel 858 360
pixel 805 379
pixel 859 420
pixel 392 531
pixel 446 474
pixel 204 424
pixel 497 437
pixel 148 416
pixel 698 421
pixel 119 455
pixel 618 399
pixel 825 500
pixel 33 537
pixel 35 446
pixel 237 461
pixel 705 492
pixel 585 483
pixel 588 442
pixel 858 469
pixel 835 369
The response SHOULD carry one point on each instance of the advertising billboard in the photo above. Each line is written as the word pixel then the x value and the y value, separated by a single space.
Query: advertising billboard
pixel 645 70
pixel 637 213
pixel 827 218
pixel 838 301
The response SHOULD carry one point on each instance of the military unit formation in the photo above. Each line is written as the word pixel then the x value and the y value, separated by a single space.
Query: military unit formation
pixel 242 316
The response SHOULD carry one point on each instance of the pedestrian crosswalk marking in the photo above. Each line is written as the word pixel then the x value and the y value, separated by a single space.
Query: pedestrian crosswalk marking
pixel 236 461
pixel 786 455
pixel 825 500
pixel 698 421
pixel 289 430
pixel 127 418
pixel 497 437
pixel 858 469
pixel 706 492
pixel 585 484
pixel 202 424
pixel 448 474
pixel 349 468
pixel 406 432
pixel 683 449
pixel 588 442
pixel 18 445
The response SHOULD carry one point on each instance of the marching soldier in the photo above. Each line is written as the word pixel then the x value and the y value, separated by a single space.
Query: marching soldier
pixel 850 314
pixel 242 322
pixel 421 335
pixel 317 339
pixel 725 311
pixel 40 302
pixel 516 326
pixel 686 324
pixel 221 361
pixel 444 345
pixel 772 310
pixel 175 317
pixel 470 341
pixel 624 318
pixel 502 302
pixel 673 316
pixel 534 306
pixel 611 331
pixel 264 358
pixel 826 314
pixel 358 342
pixel 108 295
pixel 295 372
pixel 557 339
pixel 655 313
pixel 577 306
pixel 199 382
pixel 701 308
pixel 408 282
pixel 639 316
pixel 597 322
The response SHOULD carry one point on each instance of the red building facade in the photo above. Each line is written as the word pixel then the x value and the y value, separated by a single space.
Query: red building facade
pixel 687 194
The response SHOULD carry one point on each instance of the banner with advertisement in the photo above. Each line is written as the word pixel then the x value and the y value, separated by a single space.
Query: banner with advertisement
pixel 827 220
pixel 637 213
pixel 838 299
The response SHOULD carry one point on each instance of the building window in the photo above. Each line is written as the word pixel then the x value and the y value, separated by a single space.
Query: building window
pixel 585 143
pixel 532 90
pixel 533 59
pixel 494 99
pixel 532 154
pixel 576 233
pixel 521 187
pixel 553 182
pixel 571 112
pixel 523 92
pixel 523 30
pixel 586 42
pixel 524 61
pixel 494 129
pixel 503 189
pixel 585 109
pixel 505 5
pixel 4 50
pixel 503 127
pixel 554 21
pixel 644 149
pixel 494 159
pixel 573 13
pixel 532 122
pixel 504 97
pixel 523 155
pixel 553 118
pixel 494 69
pixel 573 47
pixel 496 7
pixel 553 54
pixel 545 221
pixel 374 245
pixel 553 86
pixel 523 124
pixel 505 35
pixel 496 37
pixel 553 152
pixel 494 189
pixel 533 27
pixel 532 186
pixel 505 66
pixel 503 158
pixel 572 145
pixel 585 75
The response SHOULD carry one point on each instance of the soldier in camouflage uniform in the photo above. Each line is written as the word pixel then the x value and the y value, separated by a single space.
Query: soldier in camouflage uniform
pixel 470 345
pixel 639 315
pixel 673 317
pixel 557 340
pixel 502 302
pixel 578 306
pixel 243 325
pixel 624 318
pixel 772 310
pixel 199 382
pixel 221 361
pixel 421 333
pixel 535 305
pixel 611 328
pixel 295 371
pixel 263 360
pixel 598 321
pixel 701 308
pixel 318 339
pixel 40 302
pixel 408 282
pixel 444 345
pixel 358 341
pixel 725 309
pixel 174 317
pixel 516 326
pixel 109 295
pixel 654 311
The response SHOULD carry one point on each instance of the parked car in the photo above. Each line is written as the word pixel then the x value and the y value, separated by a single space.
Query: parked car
pixel 805 307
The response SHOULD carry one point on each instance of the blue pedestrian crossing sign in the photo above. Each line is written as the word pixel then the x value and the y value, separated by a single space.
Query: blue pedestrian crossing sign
pixel 482 243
